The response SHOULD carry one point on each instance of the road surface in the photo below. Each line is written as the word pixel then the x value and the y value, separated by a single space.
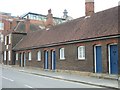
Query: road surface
pixel 15 79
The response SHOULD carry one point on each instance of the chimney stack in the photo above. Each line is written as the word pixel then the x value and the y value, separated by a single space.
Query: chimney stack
pixel 27 24
pixel 49 21
pixel 89 7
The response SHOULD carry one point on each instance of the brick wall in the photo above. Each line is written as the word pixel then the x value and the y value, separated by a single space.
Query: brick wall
pixel 71 61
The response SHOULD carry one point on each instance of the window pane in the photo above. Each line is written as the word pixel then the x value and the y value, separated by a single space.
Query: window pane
pixel 39 55
pixel 62 55
pixel 4 55
pixel 80 49
pixel 29 55
pixel 1 26
pixel 9 38
pixel 81 52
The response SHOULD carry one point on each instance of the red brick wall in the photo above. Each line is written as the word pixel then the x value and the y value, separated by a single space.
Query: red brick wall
pixel 6 25
pixel 71 61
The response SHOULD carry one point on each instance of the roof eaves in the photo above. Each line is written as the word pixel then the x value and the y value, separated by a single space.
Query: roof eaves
pixel 71 42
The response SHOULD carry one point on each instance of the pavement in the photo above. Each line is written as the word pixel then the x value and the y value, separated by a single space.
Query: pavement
pixel 106 81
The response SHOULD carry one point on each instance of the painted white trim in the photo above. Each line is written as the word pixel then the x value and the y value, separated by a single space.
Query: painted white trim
pixel 109 56
pixel 109 59
pixel 95 56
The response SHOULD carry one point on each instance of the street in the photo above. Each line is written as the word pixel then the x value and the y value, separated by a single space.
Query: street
pixel 15 79
pixel 12 78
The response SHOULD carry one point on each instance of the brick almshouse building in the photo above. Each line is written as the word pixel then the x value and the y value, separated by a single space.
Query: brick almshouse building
pixel 86 44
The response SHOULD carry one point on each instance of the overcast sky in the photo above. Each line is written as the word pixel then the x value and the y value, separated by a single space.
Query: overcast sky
pixel 75 8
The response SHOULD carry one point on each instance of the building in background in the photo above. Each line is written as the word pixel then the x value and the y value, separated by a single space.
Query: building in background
pixel 29 22
pixel 5 26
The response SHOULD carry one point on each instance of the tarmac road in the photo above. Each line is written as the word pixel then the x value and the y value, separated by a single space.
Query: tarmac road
pixel 15 79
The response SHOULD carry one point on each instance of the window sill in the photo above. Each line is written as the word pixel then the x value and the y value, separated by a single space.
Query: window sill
pixel 38 60
pixel 62 58
pixel 82 59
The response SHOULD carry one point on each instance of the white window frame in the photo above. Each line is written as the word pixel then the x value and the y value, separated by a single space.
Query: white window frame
pixel 39 56
pixel 9 39
pixel 81 54
pixel 5 56
pixel 62 53
pixel 1 37
pixel 1 26
pixel 29 56
pixel 9 55
pixel 5 40
pixel 16 56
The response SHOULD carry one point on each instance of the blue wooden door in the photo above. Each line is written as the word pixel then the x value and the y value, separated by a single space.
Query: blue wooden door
pixel 98 59
pixel 53 60
pixel 46 60
pixel 114 59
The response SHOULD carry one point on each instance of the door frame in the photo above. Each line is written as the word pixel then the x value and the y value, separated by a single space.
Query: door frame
pixel 21 59
pixel 109 55
pixel 24 59
pixel 46 64
pixel 95 57
pixel 53 65
pixel 7 61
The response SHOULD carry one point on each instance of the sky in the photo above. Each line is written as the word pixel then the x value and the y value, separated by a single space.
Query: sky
pixel 75 8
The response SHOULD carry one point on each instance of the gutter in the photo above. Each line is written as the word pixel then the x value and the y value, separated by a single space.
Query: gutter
pixel 69 42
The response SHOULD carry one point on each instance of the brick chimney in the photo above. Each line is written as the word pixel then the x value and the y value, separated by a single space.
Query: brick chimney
pixel 89 7
pixel 49 21
pixel 27 24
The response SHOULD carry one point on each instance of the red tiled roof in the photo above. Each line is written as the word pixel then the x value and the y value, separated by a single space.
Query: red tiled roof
pixel 100 24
